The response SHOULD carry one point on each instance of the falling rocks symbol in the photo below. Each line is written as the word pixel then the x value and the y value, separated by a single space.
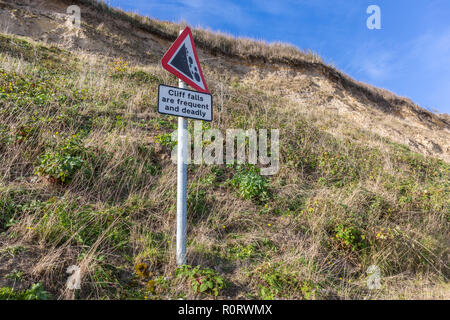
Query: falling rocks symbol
pixel 180 61
pixel 193 69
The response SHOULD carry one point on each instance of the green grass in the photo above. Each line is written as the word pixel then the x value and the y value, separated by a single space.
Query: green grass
pixel 35 292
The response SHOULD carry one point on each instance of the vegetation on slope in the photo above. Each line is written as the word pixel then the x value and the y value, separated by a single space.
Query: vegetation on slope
pixel 255 51
pixel 86 179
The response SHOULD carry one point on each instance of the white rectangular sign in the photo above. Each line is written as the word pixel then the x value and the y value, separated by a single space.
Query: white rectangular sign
pixel 184 103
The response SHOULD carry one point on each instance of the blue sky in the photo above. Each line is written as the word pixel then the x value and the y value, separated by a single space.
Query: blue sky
pixel 409 56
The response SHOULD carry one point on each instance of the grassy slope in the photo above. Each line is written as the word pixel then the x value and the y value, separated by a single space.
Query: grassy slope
pixel 86 179
pixel 254 51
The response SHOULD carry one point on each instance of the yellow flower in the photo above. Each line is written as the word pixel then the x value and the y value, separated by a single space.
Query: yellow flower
pixel 269 225
pixel 223 227
pixel 151 286
pixel 142 270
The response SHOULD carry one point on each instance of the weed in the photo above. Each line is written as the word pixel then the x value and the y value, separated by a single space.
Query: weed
pixel 278 281
pixel 35 292
pixel 15 275
pixel 8 209
pixel 250 184
pixel 14 250
pixel 165 139
pixel 202 280
pixel 118 68
pixel 61 163
pixel 350 237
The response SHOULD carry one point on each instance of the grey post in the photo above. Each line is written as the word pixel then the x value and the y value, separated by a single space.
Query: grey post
pixel 181 186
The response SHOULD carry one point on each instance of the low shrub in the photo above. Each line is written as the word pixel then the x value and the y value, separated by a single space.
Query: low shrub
pixel 35 292
pixel 250 184
pixel 205 281
pixel 61 164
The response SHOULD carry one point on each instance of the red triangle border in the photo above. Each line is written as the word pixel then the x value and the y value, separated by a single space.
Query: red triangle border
pixel 169 54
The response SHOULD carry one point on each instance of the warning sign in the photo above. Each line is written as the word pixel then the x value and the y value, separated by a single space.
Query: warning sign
pixel 184 103
pixel 182 61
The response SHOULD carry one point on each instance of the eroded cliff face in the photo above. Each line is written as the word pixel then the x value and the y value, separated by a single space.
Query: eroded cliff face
pixel 319 92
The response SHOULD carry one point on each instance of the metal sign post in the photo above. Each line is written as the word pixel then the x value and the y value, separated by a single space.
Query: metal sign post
pixel 181 186
pixel 181 60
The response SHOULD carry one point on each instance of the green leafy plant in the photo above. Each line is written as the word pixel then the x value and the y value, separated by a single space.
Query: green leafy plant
pixel 165 139
pixel 14 250
pixel 309 290
pixel 250 184
pixel 61 164
pixel 276 281
pixel 281 281
pixel 205 281
pixel 25 89
pixel 351 237
pixel 15 275
pixel 8 209
pixel 35 292
pixel 253 251
pixel 241 252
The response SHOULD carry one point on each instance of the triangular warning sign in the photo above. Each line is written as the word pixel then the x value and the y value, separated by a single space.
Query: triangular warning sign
pixel 182 61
